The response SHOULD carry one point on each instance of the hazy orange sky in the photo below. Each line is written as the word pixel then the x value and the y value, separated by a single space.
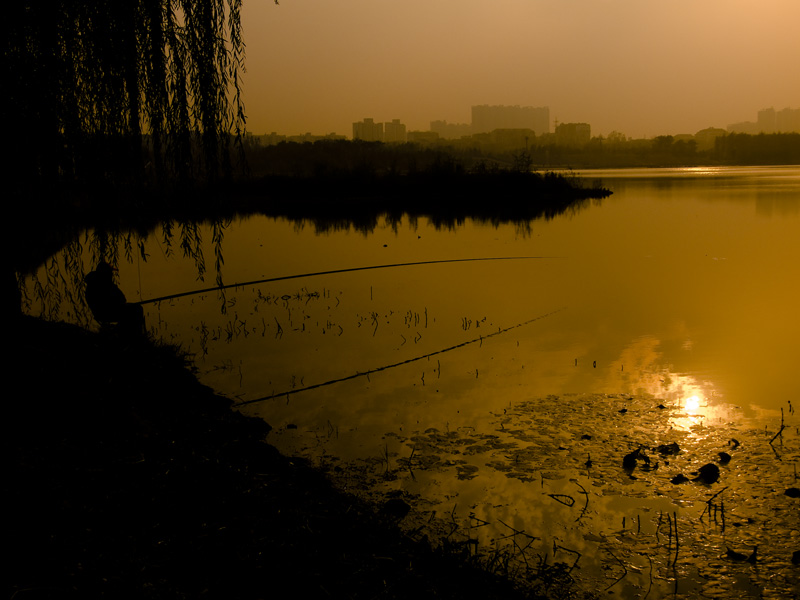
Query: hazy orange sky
pixel 640 67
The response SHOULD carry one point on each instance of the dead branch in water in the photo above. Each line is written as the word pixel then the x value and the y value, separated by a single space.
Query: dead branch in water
pixel 513 536
pixel 586 505
pixel 780 431
pixel 624 571
pixel 557 547
pixel 563 499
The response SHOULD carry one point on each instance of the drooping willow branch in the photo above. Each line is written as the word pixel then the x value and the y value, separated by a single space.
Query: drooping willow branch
pixel 114 89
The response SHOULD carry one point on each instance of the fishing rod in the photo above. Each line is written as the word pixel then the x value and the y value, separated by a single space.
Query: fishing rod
pixel 397 364
pixel 318 273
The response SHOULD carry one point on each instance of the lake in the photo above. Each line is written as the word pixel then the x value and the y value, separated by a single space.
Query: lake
pixel 494 377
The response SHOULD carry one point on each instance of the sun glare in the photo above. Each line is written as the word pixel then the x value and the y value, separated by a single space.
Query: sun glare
pixel 692 404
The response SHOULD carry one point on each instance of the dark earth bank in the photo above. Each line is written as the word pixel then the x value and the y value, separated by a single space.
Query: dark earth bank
pixel 128 478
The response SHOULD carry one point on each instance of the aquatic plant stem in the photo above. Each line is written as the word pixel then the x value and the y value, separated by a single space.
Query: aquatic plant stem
pixel 650 587
pixel 677 544
pixel 709 503
pixel 393 365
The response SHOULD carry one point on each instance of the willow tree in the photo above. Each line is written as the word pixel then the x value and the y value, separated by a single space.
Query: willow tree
pixel 122 90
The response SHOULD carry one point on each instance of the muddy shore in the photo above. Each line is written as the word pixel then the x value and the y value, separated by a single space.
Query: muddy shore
pixel 129 477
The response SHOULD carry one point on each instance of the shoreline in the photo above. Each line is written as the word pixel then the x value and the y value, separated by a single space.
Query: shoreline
pixel 130 477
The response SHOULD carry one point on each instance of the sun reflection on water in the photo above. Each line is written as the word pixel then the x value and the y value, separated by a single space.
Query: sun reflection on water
pixel 692 404
pixel 641 369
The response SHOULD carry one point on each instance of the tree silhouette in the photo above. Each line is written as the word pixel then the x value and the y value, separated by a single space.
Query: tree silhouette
pixel 122 90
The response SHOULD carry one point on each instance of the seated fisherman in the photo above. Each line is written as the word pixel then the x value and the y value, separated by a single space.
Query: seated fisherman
pixel 108 303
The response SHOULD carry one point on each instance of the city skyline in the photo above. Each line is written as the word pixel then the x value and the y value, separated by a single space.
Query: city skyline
pixel 488 118
pixel 640 68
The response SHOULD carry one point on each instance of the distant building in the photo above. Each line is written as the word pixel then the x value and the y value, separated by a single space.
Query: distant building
pixel 423 137
pixel 573 134
pixel 743 127
pixel 269 139
pixel 487 118
pixel 706 138
pixel 394 132
pixel 310 138
pixel 766 120
pixel 788 120
pixel 368 131
pixel 451 131
pixel 503 140
pixel 273 138
pixel 769 120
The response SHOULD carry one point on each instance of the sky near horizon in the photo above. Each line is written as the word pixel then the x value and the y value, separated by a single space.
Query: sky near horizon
pixel 640 67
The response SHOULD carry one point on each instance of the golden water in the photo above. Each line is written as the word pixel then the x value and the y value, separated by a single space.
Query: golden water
pixel 468 387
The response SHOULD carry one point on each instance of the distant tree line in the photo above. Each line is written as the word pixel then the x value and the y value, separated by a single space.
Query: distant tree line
pixel 762 149
pixel 667 150
pixel 327 158
pixel 330 157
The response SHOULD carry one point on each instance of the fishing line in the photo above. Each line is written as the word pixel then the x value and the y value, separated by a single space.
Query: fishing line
pixel 351 269
pixel 397 364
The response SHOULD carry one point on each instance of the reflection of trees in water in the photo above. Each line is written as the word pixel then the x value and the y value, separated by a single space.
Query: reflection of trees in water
pixel 446 192
pixel 56 291
pixel 364 217
pixel 57 288
pixel 190 242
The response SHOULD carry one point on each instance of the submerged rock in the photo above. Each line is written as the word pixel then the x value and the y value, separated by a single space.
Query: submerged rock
pixel 793 492
pixel 669 449
pixel 708 473
pixel 733 555
pixel 629 461
pixel 752 558
pixel 724 458
pixel 680 478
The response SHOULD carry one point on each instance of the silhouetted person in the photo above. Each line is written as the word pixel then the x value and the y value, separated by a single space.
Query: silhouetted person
pixel 108 303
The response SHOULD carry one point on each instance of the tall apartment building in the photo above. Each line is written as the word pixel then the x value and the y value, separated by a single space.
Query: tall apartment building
pixel 788 120
pixel 487 118
pixel 368 130
pixel 394 132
